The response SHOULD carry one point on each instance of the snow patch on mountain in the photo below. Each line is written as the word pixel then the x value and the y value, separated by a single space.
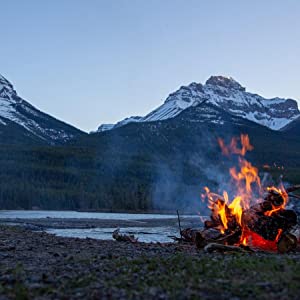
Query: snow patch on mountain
pixel 14 109
pixel 105 127
pixel 227 94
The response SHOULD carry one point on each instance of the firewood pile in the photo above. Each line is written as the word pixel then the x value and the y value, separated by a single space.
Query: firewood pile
pixel 266 226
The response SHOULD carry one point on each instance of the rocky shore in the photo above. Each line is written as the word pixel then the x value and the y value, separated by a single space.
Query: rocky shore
pixel 38 265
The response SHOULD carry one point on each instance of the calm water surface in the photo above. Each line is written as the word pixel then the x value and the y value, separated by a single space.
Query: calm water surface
pixel 144 234
pixel 37 214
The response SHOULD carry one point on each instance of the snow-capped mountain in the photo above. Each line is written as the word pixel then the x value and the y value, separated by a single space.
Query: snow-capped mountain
pixel 19 118
pixel 227 94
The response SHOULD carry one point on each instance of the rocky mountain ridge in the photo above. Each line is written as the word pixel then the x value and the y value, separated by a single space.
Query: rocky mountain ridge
pixel 19 116
pixel 227 94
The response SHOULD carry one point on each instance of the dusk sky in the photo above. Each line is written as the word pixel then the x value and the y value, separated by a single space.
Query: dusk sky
pixel 92 62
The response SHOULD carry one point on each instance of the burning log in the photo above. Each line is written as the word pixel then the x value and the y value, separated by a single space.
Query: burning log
pixel 266 225
pixel 217 220
pixel 123 237
pixel 274 199
pixel 269 226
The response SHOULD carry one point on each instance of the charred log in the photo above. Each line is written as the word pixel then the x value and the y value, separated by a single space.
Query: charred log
pixel 268 226
pixel 274 198
pixel 286 243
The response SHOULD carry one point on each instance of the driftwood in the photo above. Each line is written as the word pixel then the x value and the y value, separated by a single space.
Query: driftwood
pixel 123 237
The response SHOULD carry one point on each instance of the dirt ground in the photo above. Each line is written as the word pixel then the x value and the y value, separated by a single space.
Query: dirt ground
pixel 38 265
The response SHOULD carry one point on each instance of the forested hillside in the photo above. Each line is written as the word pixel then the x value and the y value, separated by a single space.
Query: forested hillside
pixel 162 164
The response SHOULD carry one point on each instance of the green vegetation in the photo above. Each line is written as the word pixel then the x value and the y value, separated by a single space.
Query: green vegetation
pixel 178 276
pixel 182 276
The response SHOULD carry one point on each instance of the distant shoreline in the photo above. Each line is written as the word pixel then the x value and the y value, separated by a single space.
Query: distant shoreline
pixel 118 211
pixel 154 211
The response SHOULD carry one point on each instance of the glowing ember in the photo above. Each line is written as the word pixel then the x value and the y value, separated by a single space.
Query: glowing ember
pixel 254 240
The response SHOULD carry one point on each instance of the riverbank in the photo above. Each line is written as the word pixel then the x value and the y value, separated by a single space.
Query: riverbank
pixel 44 266
pixel 79 223
pixel 158 229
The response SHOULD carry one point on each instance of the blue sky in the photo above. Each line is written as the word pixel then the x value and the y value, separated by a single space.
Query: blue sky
pixel 91 62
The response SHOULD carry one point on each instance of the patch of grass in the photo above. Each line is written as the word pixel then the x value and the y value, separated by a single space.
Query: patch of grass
pixel 81 281
pixel 223 276
pixel 18 289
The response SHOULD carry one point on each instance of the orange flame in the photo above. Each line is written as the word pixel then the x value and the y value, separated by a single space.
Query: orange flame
pixel 236 209
pixel 232 147
pixel 281 193
pixel 247 182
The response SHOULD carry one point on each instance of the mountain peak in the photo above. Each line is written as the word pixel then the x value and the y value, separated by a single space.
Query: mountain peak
pixel 6 88
pixel 27 121
pixel 230 96
pixel 5 82
pixel 225 82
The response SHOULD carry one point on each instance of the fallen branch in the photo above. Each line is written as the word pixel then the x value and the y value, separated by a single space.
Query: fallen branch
pixel 214 247
pixel 293 188
pixel 294 196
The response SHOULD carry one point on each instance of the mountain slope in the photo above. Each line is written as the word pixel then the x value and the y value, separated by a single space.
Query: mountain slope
pixel 227 94
pixel 21 122
pixel 166 163
pixel 292 129
pixel 160 164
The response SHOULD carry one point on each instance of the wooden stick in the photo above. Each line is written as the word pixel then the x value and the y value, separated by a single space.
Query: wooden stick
pixel 294 196
pixel 293 188
pixel 179 225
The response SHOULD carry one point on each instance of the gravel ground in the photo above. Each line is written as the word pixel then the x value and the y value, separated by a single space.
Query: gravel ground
pixel 37 265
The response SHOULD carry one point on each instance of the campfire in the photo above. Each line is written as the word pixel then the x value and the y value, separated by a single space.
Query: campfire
pixel 255 218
